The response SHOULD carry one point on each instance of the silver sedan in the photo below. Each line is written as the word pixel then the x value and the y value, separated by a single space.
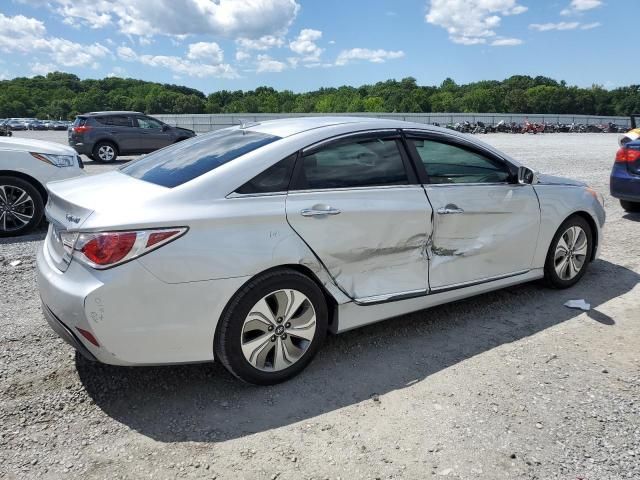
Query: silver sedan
pixel 249 244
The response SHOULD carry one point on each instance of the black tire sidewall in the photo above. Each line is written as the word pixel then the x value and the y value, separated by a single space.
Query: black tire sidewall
pixel 632 207
pixel 550 273
pixel 228 336
pixel 38 204
pixel 97 158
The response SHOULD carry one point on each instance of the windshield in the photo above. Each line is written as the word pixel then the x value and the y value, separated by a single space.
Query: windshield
pixel 184 161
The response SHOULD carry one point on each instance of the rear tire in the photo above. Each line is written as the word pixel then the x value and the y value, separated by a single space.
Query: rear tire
pixel 632 207
pixel 21 206
pixel 105 152
pixel 569 253
pixel 273 327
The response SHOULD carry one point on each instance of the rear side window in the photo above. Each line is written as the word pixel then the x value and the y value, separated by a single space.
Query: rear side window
pixel 354 163
pixel 119 121
pixel 184 161
pixel 274 179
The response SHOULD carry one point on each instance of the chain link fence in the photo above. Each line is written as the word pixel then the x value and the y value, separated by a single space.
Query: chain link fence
pixel 207 122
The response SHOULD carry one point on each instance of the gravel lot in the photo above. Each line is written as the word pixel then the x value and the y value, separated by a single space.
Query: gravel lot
pixel 508 385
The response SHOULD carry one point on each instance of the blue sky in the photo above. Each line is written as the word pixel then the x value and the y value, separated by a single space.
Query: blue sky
pixel 306 44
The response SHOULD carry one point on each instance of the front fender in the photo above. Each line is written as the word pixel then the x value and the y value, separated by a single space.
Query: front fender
pixel 559 202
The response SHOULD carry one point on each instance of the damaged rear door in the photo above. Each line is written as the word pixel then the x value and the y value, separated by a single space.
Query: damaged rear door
pixel 485 224
pixel 357 203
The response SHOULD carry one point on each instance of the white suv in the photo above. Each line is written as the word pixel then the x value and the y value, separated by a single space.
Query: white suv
pixel 25 167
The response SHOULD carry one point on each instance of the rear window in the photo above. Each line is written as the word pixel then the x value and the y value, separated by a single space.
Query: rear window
pixel 184 161
pixel 79 121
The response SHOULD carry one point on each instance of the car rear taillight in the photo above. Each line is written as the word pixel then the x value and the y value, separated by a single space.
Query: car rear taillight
pixel 82 129
pixel 102 250
pixel 627 155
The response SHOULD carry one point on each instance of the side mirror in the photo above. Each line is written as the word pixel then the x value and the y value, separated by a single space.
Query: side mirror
pixel 526 176
pixel 165 127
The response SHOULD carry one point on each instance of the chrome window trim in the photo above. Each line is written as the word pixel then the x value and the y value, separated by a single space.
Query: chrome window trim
pixel 347 189
pixel 470 184
pixel 357 133
pixel 261 194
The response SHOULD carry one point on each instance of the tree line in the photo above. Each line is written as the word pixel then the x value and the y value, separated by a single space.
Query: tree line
pixel 62 95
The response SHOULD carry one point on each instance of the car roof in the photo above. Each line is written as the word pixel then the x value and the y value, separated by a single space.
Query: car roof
pixel 286 127
pixel 117 112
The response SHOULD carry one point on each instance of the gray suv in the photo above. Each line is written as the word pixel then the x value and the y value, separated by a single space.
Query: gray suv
pixel 102 136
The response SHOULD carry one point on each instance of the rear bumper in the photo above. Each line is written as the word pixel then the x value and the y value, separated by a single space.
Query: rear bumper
pixel 624 185
pixel 65 333
pixel 136 318
pixel 81 148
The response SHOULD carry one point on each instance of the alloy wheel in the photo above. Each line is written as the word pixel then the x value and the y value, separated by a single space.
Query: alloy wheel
pixel 278 330
pixel 106 153
pixel 16 208
pixel 571 253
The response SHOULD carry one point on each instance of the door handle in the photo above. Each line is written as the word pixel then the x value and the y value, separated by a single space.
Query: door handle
pixel 319 210
pixel 449 210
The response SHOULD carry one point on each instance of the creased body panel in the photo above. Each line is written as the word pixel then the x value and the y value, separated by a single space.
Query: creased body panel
pixel 351 315
pixel 375 245
pixel 235 237
pixel 481 231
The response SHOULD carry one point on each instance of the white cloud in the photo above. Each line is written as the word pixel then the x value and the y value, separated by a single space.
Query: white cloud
pixel 578 6
pixel 181 66
pixel 28 36
pixel 544 27
pixel 17 32
pixel 506 42
pixel 189 66
pixel 305 45
pixel 242 18
pixel 589 26
pixel 208 51
pixel 267 64
pixel 374 56
pixel 265 42
pixel 471 22
pixel 116 72
pixel 126 53
pixel 242 56
pixel 42 68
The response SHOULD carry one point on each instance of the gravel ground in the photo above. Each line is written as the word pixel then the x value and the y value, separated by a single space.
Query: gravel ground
pixel 507 385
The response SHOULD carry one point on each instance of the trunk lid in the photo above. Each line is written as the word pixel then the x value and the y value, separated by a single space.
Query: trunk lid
pixel 72 202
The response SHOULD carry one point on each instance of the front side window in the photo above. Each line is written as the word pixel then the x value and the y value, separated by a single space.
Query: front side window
pixel 184 161
pixel 446 163
pixel 354 163
pixel 147 122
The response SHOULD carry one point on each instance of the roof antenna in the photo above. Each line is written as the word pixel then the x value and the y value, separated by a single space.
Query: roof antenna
pixel 244 124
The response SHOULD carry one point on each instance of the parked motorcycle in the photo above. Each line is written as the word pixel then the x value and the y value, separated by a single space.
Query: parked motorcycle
pixel 5 131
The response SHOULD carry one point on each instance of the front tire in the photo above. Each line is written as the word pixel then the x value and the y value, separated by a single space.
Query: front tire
pixel 105 152
pixel 21 206
pixel 272 328
pixel 632 207
pixel 569 253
